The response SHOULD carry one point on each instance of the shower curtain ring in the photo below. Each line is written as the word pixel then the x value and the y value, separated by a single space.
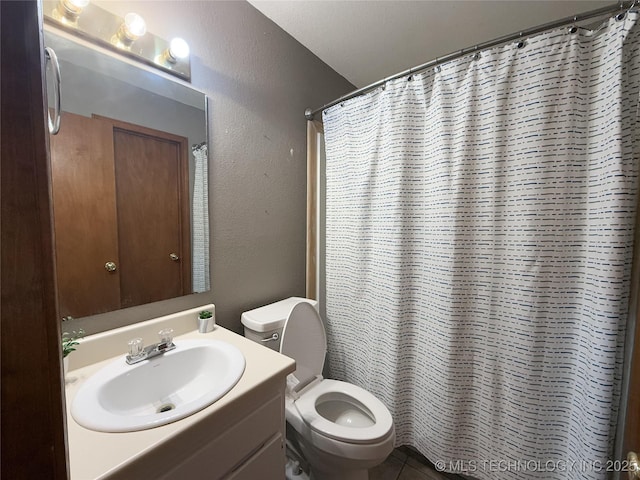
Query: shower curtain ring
pixel 574 28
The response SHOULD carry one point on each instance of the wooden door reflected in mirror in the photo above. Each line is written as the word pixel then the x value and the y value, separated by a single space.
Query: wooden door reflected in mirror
pixel 111 181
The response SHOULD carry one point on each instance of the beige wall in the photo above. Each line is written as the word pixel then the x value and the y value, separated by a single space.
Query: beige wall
pixel 259 80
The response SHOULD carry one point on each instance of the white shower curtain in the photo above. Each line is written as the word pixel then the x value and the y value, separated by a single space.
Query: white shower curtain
pixel 480 222
pixel 200 220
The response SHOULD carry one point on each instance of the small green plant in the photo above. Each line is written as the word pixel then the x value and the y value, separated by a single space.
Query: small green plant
pixel 70 340
pixel 204 314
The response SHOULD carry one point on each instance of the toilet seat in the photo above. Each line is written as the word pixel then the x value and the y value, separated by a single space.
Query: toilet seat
pixel 365 421
pixel 359 398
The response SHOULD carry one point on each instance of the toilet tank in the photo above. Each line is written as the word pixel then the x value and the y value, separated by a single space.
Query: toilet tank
pixel 265 324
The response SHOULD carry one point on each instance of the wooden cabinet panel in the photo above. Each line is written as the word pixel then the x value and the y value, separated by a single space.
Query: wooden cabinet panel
pixel 32 419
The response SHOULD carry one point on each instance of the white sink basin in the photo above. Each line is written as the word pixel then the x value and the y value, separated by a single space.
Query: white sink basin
pixel 161 390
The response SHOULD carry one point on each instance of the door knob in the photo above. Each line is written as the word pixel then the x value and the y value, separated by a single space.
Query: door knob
pixel 633 466
pixel 174 257
pixel 110 267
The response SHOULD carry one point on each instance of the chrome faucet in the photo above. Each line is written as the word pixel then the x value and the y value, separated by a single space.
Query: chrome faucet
pixel 138 352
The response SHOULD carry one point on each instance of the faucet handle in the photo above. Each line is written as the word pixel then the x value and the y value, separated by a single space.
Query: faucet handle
pixel 166 336
pixel 136 347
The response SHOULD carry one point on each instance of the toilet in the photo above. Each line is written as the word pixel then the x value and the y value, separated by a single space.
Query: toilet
pixel 338 429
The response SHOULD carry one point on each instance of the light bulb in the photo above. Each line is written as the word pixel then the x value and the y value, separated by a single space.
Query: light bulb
pixel 135 25
pixel 178 48
pixel 131 29
pixel 68 11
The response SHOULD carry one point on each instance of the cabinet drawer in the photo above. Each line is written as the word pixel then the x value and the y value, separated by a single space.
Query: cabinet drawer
pixel 231 448
pixel 268 462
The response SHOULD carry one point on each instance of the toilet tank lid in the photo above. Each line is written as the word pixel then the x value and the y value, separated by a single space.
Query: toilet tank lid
pixel 272 316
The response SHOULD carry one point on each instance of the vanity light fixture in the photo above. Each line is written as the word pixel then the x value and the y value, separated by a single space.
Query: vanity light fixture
pixel 127 36
pixel 68 11
pixel 132 28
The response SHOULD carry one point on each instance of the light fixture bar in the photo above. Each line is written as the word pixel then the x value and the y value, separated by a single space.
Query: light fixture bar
pixel 127 36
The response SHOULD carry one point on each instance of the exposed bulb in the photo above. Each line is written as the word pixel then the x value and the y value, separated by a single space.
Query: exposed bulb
pixel 130 30
pixel 134 25
pixel 178 48
pixel 68 11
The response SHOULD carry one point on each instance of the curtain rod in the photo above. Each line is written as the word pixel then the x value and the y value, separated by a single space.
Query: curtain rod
pixel 622 5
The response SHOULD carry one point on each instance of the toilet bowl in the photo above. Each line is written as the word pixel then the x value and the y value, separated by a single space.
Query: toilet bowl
pixel 340 429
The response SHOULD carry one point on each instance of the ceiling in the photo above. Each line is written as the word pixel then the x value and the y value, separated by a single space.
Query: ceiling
pixel 366 41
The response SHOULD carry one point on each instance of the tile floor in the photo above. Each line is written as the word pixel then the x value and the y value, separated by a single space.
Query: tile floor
pixel 407 464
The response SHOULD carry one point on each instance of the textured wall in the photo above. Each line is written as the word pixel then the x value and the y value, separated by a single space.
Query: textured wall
pixel 259 80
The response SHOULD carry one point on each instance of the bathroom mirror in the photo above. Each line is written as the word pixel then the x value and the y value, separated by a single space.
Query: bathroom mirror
pixel 129 182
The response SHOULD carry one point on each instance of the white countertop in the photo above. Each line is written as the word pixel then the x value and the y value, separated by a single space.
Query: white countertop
pixel 97 455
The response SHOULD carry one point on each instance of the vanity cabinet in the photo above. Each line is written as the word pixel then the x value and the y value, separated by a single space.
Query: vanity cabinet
pixel 251 448
pixel 121 215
